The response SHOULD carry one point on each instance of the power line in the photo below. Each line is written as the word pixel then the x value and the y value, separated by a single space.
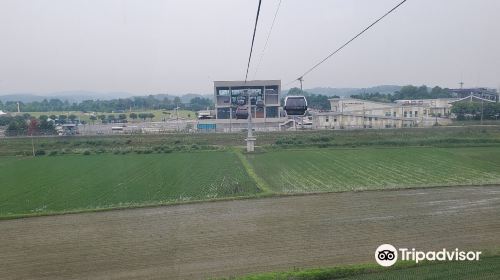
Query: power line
pixel 253 39
pixel 348 42
pixel 267 40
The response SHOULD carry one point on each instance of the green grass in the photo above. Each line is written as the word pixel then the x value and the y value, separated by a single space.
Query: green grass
pixel 487 268
pixel 78 182
pixel 251 172
pixel 330 170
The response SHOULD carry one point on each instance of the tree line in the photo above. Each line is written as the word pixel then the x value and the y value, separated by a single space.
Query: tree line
pixel 27 125
pixel 474 110
pixel 407 92
pixel 121 118
pixel 321 102
pixel 108 106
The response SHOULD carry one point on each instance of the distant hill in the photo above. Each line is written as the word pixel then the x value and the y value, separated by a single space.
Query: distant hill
pixel 79 96
pixel 70 96
pixel 184 98
pixel 21 97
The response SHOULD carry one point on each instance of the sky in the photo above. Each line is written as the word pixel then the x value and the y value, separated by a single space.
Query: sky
pixel 176 47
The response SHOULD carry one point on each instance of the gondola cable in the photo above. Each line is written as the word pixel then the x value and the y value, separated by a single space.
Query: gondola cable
pixel 347 43
pixel 267 39
pixel 253 39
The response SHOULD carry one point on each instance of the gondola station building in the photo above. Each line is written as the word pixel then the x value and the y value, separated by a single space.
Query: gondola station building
pixel 231 106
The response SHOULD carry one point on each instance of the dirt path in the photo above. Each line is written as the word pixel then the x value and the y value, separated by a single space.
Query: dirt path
pixel 238 237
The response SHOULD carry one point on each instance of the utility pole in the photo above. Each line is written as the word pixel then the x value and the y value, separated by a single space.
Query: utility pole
pixel 301 79
pixel 364 126
pixel 32 145
pixel 177 117
pixel 482 109
pixel 230 110
pixel 249 119
pixel 250 138
pixel 435 113
pixel 230 118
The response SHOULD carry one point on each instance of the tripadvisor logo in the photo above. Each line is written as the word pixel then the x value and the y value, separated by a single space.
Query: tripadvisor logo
pixel 387 255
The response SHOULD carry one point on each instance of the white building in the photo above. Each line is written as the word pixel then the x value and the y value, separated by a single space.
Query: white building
pixel 352 113
pixel 431 107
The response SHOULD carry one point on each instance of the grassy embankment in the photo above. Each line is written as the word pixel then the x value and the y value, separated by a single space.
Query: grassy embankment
pixel 488 268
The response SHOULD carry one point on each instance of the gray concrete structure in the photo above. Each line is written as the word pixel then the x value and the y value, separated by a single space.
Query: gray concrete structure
pixel 266 117
pixel 484 93
pixel 227 94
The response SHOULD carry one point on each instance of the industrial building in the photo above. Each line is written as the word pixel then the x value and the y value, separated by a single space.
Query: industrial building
pixel 483 93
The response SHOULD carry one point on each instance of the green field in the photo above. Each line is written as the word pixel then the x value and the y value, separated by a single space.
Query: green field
pixel 77 182
pixel 65 183
pixel 319 170
pixel 487 268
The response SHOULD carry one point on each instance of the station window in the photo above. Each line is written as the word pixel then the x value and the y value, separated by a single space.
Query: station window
pixel 272 96
pixel 259 112
pixel 271 112
pixel 223 91
pixel 237 93
pixel 223 113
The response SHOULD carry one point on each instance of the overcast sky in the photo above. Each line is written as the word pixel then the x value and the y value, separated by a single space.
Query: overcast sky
pixel 161 46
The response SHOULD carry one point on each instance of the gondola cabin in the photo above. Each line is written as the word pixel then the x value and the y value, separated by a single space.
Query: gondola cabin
pixel 295 105
pixel 242 112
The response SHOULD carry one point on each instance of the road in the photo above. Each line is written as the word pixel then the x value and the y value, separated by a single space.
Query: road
pixel 213 239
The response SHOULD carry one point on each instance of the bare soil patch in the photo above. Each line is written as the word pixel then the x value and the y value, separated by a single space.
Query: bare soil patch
pixel 214 239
